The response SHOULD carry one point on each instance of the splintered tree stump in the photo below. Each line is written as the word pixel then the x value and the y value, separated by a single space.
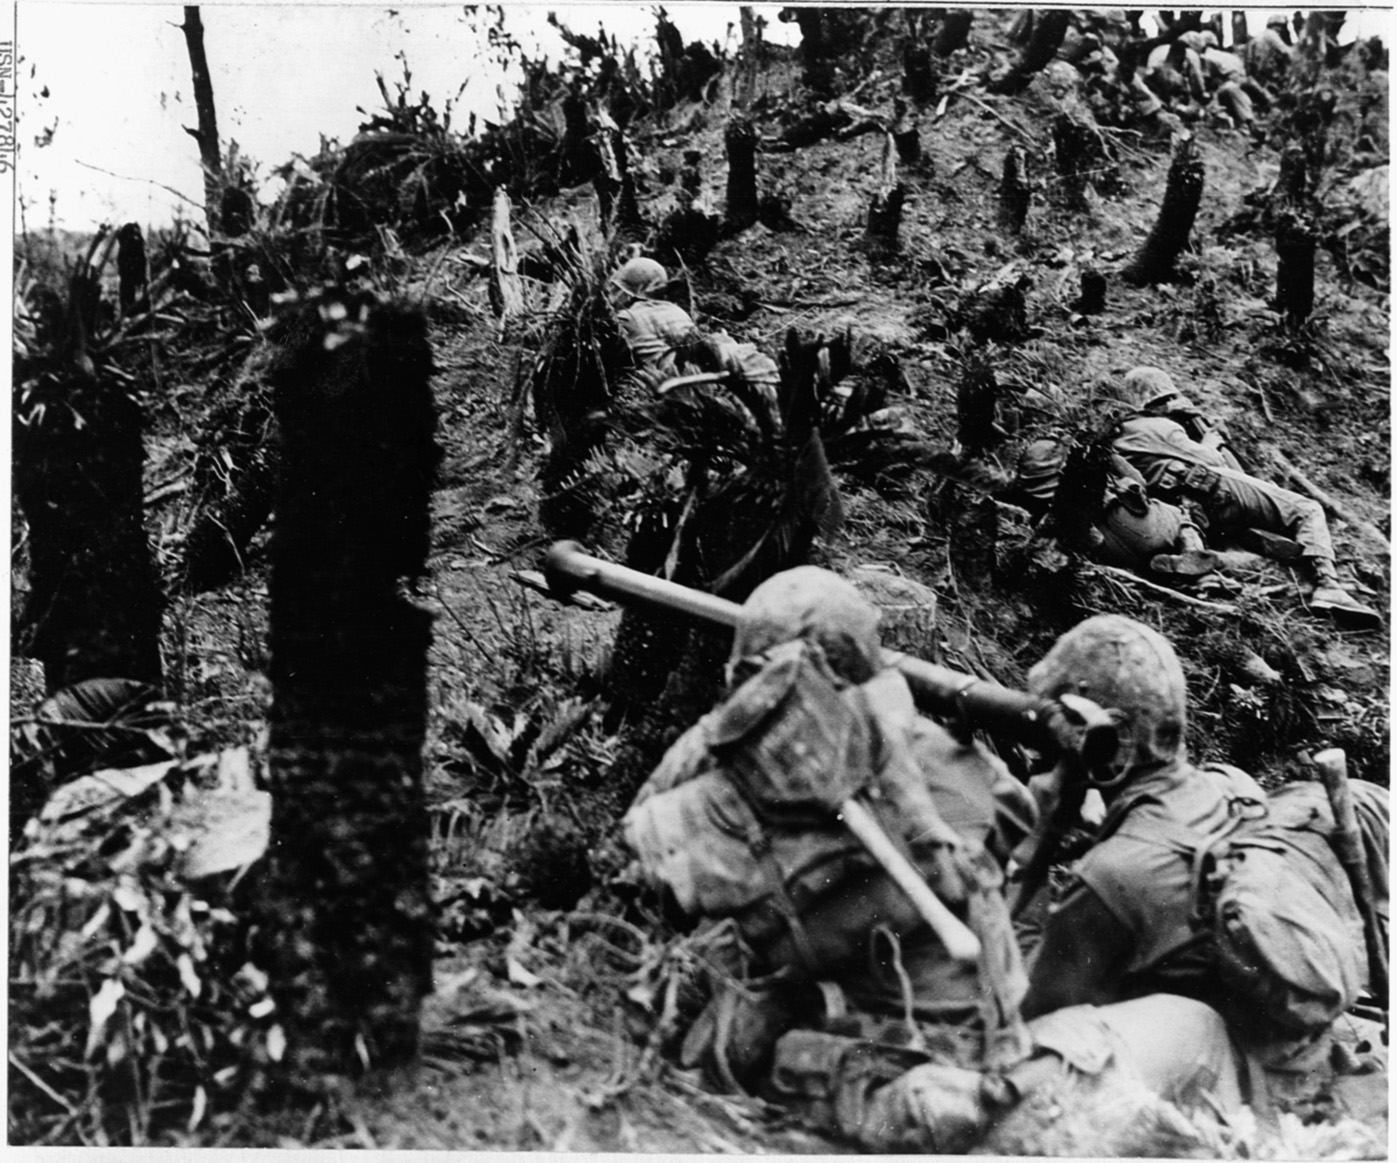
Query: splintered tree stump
pixel 347 910
pixel 996 311
pixel 578 157
pixel 1183 192
pixel 1078 152
pixel 906 136
pixel 627 207
pixel 1092 300
pixel 919 74
pixel 506 287
pixel 1239 29
pixel 1021 31
pixel 953 32
pixel 691 179
pixel 977 405
pixel 1293 184
pixel 1015 194
pixel 93 608
pixel 1296 239
pixel 740 143
pixel 885 211
pixel 131 270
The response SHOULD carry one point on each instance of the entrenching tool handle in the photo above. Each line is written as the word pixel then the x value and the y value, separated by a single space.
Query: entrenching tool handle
pixel 960 942
pixel 1348 846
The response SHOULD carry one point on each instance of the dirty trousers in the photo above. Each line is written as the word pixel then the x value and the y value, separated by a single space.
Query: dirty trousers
pixel 1232 500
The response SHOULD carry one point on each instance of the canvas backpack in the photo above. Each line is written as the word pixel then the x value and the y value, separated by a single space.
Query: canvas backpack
pixel 1287 934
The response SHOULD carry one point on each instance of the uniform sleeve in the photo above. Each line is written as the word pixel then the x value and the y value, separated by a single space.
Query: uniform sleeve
pixel 1083 957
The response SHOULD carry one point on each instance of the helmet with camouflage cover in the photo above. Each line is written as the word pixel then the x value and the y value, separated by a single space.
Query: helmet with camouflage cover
pixel 815 604
pixel 1040 468
pixel 640 277
pixel 1120 664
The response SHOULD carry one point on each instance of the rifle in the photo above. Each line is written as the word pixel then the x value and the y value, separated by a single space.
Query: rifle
pixel 1348 846
pixel 1073 731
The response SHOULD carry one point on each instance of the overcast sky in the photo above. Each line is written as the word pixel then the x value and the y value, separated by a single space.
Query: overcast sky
pixel 111 82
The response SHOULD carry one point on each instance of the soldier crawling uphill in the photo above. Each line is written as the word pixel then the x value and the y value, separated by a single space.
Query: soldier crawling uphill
pixel 844 1005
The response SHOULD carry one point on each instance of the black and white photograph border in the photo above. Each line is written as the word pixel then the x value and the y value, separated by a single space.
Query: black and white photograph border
pixel 879 522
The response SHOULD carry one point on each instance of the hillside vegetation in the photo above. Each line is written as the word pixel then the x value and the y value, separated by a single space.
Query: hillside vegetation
pixel 561 991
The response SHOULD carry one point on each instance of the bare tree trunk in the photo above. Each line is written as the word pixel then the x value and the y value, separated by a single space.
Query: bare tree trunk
pixel 1295 267
pixel 740 142
pixel 885 212
pixel 347 909
pixel 506 288
pixel 131 270
pixel 918 73
pixel 93 609
pixel 1183 192
pixel 210 156
pixel 1015 194
pixel 905 134
pixel 1239 29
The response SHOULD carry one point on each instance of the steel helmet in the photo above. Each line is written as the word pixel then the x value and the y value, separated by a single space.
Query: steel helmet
pixel 1040 468
pixel 1277 21
pixel 1122 665
pixel 1193 40
pixel 1146 386
pixel 815 604
pixel 1209 38
pixel 640 277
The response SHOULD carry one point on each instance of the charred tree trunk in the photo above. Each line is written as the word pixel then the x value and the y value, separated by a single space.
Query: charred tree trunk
pixel 1092 300
pixel 1078 151
pixel 1021 31
pixel 1239 29
pixel 1296 239
pixel 1183 192
pixel 953 32
pixel 1015 194
pixel 740 143
pixel 905 135
pixel 977 406
pixel 347 908
pixel 578 157
pixel 885 211
pixel 93 608
pixel 1293 185
pixel 206 136
pixel 506 287
pixel 919 74
pixel 131 270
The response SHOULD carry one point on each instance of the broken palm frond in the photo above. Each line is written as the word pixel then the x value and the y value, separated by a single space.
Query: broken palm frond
pixel 134 1012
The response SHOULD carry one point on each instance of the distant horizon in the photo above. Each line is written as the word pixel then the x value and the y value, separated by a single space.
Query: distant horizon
pixel 127 157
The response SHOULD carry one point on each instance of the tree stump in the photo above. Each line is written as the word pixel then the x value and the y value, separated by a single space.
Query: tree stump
pixel 1015 194
pixel 1183 192
pixel 131 270
pixel 1092 300
pixel 346 908
pixel 906 136
pixel 740 143
pixel 94 605
pixel 977 406
pixel 1296 239
pixel 885 211
pixel 919 76
pixel 506 287
pixel 1293 184
pixel 1079 152
pixel 953 32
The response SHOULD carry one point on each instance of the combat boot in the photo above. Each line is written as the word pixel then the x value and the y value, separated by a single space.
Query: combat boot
pixel 1331 598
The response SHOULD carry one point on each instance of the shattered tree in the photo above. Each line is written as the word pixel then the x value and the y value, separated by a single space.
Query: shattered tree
pixel 347 908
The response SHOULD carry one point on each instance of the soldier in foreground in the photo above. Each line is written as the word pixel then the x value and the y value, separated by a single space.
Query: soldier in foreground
pixel 1136 918
pixel 846 1006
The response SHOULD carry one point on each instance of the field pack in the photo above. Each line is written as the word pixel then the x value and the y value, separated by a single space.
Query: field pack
pixel 1289 944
